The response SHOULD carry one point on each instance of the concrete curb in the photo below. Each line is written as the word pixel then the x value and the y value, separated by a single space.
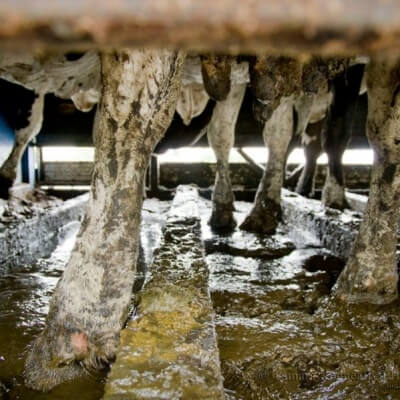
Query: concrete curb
pixel 169 350
pixel 358 202
pixel 27 240
pixel 317 225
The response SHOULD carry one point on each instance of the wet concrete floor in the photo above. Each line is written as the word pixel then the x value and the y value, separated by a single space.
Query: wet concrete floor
pixel 280 336
pixel 24 300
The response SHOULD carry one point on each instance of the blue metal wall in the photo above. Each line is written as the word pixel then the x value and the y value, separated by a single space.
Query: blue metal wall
pixel 6 139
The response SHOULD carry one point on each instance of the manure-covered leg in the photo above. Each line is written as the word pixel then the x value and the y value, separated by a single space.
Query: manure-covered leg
pixel 23 135
pixel 266 212
pixel 371 274
pixel 311 140
pixel 333 192
pixel 337 133
pixel 90 304
pixel 221 136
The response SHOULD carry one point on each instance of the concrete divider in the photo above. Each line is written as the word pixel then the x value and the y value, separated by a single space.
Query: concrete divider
pixel 313 223
pixel 168 350
pixel 358 202
pixel 26 240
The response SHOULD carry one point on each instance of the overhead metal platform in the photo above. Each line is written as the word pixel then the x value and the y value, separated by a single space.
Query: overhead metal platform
pixel 330 27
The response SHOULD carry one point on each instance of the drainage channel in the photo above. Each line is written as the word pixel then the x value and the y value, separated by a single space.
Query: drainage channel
pixel 25 292
pixel 280 334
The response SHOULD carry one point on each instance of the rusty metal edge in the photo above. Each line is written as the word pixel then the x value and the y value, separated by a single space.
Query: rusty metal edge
pixel 292 26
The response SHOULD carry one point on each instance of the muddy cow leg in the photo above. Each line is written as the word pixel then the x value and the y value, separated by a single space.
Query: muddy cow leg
pixel 371 272
pixel 303 108
pixel 266 212
pixel 90 303
pixel 337 133
pixel 311 140
pixel 8 171
pixel 221 135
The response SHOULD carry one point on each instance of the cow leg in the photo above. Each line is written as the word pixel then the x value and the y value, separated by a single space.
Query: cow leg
pixel 90 304
pixel 221 136
pixel 311 140
pixel 371 274
pixel 333 192
pixel 8 171
pixel 337 133
pixel 266 212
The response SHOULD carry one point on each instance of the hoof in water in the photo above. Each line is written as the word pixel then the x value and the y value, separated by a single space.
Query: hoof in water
pixel 337 205
pixel 264 220
pixel 222 219
pixel 63 356
pixel 44 370
pixel 259 225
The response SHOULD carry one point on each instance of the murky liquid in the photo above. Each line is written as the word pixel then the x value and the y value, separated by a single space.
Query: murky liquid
pixel 281 336
pixel 24 302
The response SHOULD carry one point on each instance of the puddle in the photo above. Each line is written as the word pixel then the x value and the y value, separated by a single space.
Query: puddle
pixel 24 300
pixel 281 336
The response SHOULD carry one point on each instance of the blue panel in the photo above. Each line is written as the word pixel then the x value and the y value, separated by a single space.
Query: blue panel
pixel 6 139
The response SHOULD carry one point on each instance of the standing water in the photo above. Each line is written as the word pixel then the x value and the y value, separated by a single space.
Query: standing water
pixel 280 335
pixel 24 303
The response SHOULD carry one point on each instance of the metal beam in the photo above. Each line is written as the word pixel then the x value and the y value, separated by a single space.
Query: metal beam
pixel 330 27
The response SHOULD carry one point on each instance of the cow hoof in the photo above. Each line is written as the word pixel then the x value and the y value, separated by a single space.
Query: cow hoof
pixel 43 370
pixel 337 205
pixel 264 219
pixel 222 220
pixel 259 225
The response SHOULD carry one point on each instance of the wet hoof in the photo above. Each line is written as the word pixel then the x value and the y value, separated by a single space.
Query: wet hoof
pixel 358 283
pixel 58 358
pixel 102 352
pixel 305 191
pixel 263 220
pixel 259 225
pixel 337 205
pixel 333 195
pixel 5 184
pixel 43 370
pixel 222 220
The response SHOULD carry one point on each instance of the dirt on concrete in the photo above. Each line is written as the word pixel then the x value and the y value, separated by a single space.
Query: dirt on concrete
pixel 282 336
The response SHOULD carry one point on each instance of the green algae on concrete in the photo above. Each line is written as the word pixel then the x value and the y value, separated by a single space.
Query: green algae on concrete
pixel 169 349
